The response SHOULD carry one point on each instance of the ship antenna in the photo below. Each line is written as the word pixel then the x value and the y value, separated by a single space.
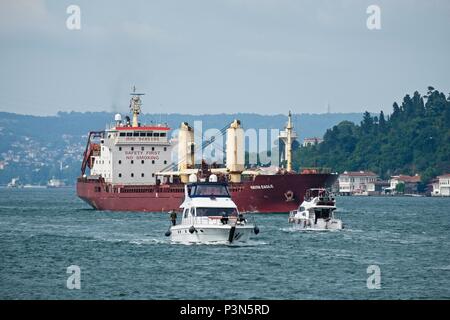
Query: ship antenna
pixel 135 105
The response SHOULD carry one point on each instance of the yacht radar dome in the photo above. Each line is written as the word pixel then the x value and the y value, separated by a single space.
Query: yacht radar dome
pixel 118 119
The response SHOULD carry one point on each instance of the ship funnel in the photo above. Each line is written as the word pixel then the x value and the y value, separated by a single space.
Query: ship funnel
pixel 235 157
pixel 185 150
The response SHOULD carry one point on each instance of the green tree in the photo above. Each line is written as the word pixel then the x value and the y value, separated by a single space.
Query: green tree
pixel 415 138
pixel 400 187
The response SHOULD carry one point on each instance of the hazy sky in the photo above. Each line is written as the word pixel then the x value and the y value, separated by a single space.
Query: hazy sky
pixel 214 56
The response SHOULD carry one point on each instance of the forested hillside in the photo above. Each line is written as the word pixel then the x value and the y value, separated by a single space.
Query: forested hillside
pixel 414 138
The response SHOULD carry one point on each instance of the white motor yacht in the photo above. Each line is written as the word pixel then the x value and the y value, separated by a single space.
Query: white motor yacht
pixel 316 212
pixel 209 215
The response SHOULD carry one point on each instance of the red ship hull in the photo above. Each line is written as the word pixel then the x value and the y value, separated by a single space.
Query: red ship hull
pixel 263 194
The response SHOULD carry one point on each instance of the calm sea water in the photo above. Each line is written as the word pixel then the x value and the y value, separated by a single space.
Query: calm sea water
pixel 124 255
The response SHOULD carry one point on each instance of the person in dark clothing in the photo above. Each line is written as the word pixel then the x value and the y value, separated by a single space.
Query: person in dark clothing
pixel 241 218
pixel 173 217
pixel 224 218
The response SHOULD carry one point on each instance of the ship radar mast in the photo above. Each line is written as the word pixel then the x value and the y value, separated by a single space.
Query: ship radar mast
pixel 288 136
pixel 135 106
pixel 289 143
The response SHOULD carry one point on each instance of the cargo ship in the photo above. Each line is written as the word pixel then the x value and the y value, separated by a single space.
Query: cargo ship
pixel 129 167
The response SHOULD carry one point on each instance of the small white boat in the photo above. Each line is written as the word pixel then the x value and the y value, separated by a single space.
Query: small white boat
pixel 316 212
pixel 210 216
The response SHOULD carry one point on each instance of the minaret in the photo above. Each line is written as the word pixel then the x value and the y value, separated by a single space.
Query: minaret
pixel 135 106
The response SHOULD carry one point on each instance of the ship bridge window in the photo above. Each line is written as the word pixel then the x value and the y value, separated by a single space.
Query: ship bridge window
pixel 149 134
pixel 135 134
pixel 129 134
pixel 162 134
pixel 122 134
pixel 208 212
pixel 156 134
pixel 142 134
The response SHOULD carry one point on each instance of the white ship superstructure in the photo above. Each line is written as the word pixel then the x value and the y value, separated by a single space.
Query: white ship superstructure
pixel 129 153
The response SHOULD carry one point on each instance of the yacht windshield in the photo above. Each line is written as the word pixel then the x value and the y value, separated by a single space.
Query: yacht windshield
pixel 207 212
pixel 205 190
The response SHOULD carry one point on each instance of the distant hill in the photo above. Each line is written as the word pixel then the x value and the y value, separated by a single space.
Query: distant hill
pixel 80 123
pixel 36 149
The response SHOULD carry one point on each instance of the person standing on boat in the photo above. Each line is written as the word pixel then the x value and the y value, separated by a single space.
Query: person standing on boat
pixel 173 217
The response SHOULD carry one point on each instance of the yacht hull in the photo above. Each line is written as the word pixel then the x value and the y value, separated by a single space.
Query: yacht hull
pixel 211 234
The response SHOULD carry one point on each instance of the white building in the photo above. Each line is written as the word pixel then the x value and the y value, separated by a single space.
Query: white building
pixel 442 186
pixel 311 141
pixel 359 183
pixel 410 183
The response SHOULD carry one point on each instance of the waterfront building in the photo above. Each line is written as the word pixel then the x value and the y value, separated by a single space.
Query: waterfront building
pixel 410 184
pixel 357 183
pixel 441 186
pixel 312 141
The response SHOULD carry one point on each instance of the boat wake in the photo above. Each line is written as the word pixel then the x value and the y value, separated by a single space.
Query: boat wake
pixel 293 229
pixel 250 243
pixel 140 242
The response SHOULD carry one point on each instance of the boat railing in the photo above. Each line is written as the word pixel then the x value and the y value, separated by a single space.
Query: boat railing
pixel 292 213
